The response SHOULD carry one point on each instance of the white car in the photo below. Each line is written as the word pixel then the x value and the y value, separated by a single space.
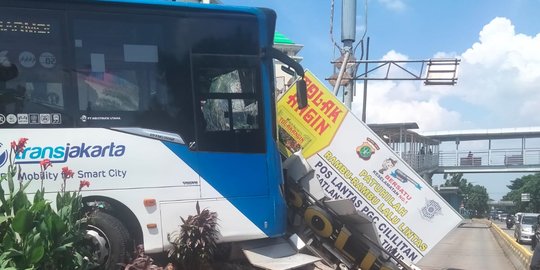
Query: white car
pixel 524 229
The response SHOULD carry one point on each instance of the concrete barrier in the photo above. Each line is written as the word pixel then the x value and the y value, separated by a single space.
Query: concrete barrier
pixel 518 255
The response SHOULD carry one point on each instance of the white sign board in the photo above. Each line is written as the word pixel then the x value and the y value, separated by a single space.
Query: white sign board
pixel 351 161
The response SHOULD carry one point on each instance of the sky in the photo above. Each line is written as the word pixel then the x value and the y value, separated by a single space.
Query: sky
pixel 497 42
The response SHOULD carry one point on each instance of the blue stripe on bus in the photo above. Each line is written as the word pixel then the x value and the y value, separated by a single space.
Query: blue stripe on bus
pixel 240 178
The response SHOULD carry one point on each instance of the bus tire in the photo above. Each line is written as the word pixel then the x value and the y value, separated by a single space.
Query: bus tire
pixel 109 240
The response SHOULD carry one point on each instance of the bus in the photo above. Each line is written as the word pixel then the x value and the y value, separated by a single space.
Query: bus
pixel 150 101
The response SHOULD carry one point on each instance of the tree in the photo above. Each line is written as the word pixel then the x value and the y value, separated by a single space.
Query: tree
pixel 475 197
pixel 457 180
pixel 526 184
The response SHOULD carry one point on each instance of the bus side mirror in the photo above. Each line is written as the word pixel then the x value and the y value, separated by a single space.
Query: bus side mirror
pixel 301 94
pixel 292 68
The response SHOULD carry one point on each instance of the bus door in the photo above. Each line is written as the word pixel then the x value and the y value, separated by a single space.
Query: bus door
pixel 230 138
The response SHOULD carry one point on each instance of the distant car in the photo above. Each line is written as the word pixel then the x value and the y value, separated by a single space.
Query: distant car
pixel 524 229
pixel 501 216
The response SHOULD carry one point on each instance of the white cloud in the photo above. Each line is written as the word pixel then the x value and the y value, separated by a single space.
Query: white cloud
pixel 501 73
pixel 393 55
pixel 398 102
pixel 499 78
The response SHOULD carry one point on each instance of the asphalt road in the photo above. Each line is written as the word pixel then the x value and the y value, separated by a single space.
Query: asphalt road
pixel 470 246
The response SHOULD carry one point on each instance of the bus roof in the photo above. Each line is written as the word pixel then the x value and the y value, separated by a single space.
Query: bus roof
pixel 241 9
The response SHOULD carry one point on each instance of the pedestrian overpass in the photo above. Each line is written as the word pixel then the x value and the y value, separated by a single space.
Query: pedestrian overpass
pixel 518 150
pixel 505 150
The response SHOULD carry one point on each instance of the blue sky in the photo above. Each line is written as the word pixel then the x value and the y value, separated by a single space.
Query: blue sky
pixel 498 42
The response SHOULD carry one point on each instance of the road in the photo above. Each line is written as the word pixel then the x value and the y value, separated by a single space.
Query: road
pixel 470 246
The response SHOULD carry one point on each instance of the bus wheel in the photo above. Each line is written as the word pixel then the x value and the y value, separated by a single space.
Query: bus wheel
pixel 108 239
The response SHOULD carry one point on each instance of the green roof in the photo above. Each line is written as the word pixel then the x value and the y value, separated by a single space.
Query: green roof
pixel 279 38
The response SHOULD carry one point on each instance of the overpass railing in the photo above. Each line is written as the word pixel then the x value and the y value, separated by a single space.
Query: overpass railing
pixel 421 162
pixel 499 157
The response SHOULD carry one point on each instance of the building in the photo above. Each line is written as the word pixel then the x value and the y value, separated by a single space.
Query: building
pixel 284 44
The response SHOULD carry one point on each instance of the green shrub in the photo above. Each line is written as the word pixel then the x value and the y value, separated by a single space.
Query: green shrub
pixel 32 234
pixel 194 246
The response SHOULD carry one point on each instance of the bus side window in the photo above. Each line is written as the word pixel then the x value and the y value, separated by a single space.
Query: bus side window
pixel 131 72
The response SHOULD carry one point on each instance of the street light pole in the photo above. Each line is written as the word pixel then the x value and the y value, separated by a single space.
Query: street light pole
pixel 364 101
pixel 348 35
pixel 348 92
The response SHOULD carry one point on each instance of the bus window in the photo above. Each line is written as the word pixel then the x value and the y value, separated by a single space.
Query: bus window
pixel 245 114
pixel 132 72
pixel 229 118
pixel 115 60
pixel 31 43
pixel 217 113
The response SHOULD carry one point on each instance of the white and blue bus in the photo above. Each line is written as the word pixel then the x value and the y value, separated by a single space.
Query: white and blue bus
pixel 153 101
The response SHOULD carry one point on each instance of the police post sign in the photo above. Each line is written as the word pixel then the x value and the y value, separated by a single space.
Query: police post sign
pixel 351 161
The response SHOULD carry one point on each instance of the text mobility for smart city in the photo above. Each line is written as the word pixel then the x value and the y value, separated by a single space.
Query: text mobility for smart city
pixel 351 161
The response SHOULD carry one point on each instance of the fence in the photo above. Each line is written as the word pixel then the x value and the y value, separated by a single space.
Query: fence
pixel 499 157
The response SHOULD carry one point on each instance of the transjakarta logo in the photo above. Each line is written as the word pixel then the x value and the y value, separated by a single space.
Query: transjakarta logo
pixel 3 155
pixel 60 154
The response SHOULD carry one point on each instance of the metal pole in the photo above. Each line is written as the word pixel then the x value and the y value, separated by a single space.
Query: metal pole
pixel 348 93
pixel 364 101
pixel 348 36
pixel 341 71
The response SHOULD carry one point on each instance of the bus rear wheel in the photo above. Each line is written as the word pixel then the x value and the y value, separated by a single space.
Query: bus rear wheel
pixel 109 240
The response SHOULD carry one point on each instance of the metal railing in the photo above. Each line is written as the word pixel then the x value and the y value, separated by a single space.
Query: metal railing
pixel 421 162
pixel 500 157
